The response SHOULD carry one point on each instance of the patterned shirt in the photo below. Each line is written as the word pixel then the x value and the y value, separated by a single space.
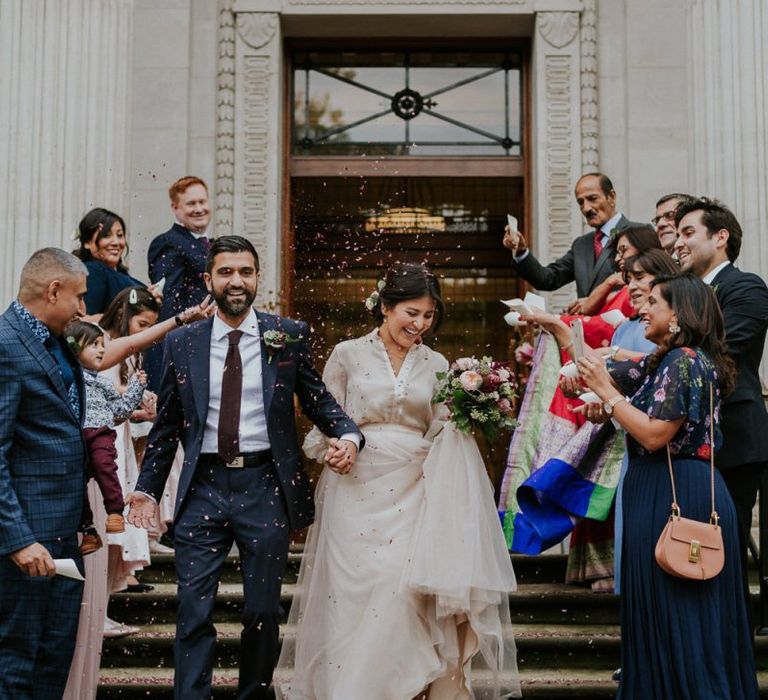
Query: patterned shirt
pixel 105 406
pixel 43 333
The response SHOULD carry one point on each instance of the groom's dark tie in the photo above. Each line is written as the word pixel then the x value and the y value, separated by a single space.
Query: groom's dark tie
pixel 231 393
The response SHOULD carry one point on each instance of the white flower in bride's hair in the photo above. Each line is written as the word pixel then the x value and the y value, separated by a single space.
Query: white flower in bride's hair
pixel 372 301
pixel 471 380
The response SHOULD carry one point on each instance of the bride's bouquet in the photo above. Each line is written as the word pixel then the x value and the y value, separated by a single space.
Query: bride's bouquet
pixel 479 394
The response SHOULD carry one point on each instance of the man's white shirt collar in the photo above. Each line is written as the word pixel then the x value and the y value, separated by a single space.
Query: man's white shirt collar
pixel 611 224
pixel 249 326
pixel 710 276
pixel 202 234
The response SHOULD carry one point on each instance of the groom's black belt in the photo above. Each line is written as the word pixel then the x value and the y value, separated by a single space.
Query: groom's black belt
pixel 249 460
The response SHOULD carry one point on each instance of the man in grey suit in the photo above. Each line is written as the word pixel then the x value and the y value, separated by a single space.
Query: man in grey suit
pixel 590 259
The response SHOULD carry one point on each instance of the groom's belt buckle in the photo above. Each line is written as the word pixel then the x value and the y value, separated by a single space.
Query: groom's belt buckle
pixel 237 463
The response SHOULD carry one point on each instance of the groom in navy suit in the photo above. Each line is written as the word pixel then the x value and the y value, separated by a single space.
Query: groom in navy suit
pixel 42 477
pixel 227 393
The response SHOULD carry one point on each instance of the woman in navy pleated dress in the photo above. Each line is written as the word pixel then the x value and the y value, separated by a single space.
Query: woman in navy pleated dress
pixel 681 639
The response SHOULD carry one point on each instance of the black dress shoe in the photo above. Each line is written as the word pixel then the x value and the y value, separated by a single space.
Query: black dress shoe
pixel 616 675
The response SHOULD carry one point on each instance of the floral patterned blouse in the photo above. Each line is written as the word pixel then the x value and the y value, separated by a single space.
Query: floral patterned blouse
pixel 679 387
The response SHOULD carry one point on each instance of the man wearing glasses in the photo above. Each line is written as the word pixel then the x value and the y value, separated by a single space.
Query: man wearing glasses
pixel 664 221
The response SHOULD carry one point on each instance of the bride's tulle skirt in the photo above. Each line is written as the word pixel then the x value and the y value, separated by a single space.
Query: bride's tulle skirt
pixel 405 577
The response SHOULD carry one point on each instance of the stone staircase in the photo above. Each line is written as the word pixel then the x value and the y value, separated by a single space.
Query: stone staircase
pixel 567 637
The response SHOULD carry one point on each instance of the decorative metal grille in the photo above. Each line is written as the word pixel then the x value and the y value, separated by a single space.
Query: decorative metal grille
pixel 410 103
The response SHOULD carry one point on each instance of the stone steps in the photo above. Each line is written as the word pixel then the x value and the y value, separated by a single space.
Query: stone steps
pixel 568 637
pixel 141 683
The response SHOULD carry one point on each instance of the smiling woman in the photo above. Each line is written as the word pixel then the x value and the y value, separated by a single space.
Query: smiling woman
pixel 102 237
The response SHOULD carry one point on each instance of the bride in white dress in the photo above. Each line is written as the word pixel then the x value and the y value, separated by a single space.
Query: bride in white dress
pixel 405 574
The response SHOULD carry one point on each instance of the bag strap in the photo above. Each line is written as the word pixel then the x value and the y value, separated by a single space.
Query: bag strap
pixel 714 518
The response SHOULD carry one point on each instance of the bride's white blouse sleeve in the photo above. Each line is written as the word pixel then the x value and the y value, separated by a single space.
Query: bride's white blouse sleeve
pixel 360 377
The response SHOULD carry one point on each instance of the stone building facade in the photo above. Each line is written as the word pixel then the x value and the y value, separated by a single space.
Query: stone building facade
pixel 108 101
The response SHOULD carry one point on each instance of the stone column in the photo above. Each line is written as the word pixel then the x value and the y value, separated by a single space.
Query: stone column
pixel 728 93
pixel 729 115
pixel 64 78
pixel 249 135
pixel 557 135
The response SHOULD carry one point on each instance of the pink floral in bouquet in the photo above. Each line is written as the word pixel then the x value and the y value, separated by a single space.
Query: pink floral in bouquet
pixel 479 394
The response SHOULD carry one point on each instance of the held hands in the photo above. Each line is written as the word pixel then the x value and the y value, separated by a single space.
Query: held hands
pixel 143 510
pixel 341 455
pixel 34 560
pixel 514 241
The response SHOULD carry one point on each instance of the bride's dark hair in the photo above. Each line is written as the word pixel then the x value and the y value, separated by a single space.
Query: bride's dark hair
pixel 405 282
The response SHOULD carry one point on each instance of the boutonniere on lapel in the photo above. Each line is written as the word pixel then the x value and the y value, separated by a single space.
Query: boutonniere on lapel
pixel 276 341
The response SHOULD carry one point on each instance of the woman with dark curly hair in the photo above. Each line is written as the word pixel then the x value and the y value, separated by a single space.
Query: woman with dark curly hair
pixel 681 638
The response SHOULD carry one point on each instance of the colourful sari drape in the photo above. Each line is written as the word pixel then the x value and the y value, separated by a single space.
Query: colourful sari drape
pixel 560 468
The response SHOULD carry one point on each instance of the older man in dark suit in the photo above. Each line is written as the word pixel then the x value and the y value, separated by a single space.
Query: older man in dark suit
pixel 589 260
pixel 227 393
pixel 42 477
pixel 708 243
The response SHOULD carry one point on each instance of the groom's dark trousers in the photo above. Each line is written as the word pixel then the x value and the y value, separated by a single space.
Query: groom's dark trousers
pixel 256 505
pixel 226 505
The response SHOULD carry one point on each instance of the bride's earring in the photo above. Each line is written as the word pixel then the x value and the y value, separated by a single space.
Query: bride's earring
pixel 674 329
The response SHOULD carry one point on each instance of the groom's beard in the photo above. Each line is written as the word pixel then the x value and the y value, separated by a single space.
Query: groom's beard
pixel 234 306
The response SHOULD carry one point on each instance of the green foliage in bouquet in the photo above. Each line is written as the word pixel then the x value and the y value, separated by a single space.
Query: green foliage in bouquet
pixel 479 394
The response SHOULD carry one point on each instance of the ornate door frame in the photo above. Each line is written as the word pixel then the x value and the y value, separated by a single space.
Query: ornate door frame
pixel 250 136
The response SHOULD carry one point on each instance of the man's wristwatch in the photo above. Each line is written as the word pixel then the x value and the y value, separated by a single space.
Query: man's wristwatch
pixel 609 405
pixel 614 352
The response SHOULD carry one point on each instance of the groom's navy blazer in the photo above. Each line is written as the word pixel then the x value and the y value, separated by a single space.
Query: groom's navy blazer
pixel 183 407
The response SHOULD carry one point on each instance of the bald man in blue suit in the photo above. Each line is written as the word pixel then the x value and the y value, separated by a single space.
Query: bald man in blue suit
pixel 42 477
